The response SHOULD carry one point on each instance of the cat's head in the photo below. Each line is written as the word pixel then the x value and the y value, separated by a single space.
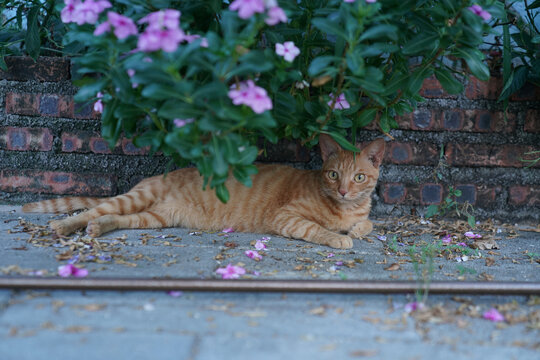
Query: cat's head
pixel 348 176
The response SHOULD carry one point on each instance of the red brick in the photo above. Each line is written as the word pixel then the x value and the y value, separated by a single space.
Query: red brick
pixel 469 193
pixel 55 182
pixel 432 88
pixel 22 103
pixel 423 119
pixel 412 153
pixel 487 195
pixel 488 155
pixel 23 68
pixel 431 194
pixel 489 90
pixel 452 120
pixel 129 149
pixel 394 193
pixel 26 139
pixel 488 121
pixel 86 142
pixel 56 105
pixel 532 121
pixel 529 92
pixel 524 195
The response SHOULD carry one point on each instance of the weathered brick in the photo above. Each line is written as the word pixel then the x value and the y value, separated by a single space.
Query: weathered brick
pixel 431 194
pixel 86 142
pixel 283 151
pixel 468 194
pixel 422 119
pixel 412 153
pixel 529 92
pixel 489 90
pixel 394 193
pixel 486 196
pixel 532 121
pixel 56 182
pixel 22 103
pixel 26 139
pixel 488 121
pixel 129 148
pixel 487 155
pixel 432 88
pixel 524 195
pixel 85 111
pixel 452 120
pixel 23 68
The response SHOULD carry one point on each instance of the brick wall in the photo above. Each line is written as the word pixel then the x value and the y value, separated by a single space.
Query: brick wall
pixel 50 146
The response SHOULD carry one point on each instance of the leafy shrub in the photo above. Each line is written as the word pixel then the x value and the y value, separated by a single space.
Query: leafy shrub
pixel 204 89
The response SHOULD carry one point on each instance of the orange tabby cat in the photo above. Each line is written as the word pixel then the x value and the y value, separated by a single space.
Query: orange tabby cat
pixel 328 206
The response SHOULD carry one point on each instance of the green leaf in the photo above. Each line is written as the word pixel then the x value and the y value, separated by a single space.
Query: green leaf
pixel 176 109
pixel 329 27
pixel 472 221
pixel 319 64
pixel 518 78
pixel 89 91
pixel 32 40
pixel 340 139
pixel 222 193
pixel 432 210
pixel 365 117
pixel 473 58
pixel 420 43
pixel 378 31
pixel 3 64
pixel 448 81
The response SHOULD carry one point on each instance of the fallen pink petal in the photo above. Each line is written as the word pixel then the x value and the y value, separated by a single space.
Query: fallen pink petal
pixel 253 254
pixel 228 230
pixel 231 272
pixel 71 270
pixel 472 235
pixel 447 239
pixel 413 306
pixel 260 245
pixel 175 293
pixel 493 315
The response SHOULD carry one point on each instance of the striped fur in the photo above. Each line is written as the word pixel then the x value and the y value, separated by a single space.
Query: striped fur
pixel 326 206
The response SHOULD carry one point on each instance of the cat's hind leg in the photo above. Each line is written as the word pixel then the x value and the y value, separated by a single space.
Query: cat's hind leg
pixel 143 220
pixel 131 202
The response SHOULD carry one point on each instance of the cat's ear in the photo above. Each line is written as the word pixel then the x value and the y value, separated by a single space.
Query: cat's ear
pixel 375 152
pixel 328 146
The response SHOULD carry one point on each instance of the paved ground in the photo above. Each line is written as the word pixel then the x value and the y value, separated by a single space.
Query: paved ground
pixel 193 325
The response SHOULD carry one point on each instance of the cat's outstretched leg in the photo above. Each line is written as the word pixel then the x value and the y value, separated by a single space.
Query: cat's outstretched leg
pixel 300 228
pixel 361 228
pixel 131 202
pixel 143 220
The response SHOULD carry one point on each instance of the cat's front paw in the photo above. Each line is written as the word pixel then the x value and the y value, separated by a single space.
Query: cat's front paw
pixel 341 242
pixel 361 228
pixel 60 228
pixel 93 229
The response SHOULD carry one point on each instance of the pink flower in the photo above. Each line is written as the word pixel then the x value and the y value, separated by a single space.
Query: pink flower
pixel 98 105
pixel 287 50
pixel 168 18
pixel 71 270
pixel 123 26
pixel 246 8
pixel 183 122
pixel 477 9
pixel 259 245
pixel 247 93
pixel 175 293
pixel 341 102
pixel 252 254
pixel 67 12
pixel 88 12
pixel 191 38
pixel 447 239
pixel 265 238
pixel 275 16
pixel 472 235
pixel 413 306
pixel 493 315
pixel 228 230
pixel 231 272
pixel 330 255
pixel 163 31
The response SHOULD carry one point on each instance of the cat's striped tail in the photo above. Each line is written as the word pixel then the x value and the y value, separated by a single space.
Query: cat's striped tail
pixel 62 205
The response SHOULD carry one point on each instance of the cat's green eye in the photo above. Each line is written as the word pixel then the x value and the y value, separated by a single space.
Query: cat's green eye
pixel 332 175
pixel 359 178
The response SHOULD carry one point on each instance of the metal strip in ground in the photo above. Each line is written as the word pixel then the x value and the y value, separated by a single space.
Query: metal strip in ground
pixel 322 286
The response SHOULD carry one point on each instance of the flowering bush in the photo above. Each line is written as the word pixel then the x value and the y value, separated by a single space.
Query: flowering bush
pixel 202 81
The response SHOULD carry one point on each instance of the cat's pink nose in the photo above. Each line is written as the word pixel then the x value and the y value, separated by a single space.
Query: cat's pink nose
pixel 342 192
